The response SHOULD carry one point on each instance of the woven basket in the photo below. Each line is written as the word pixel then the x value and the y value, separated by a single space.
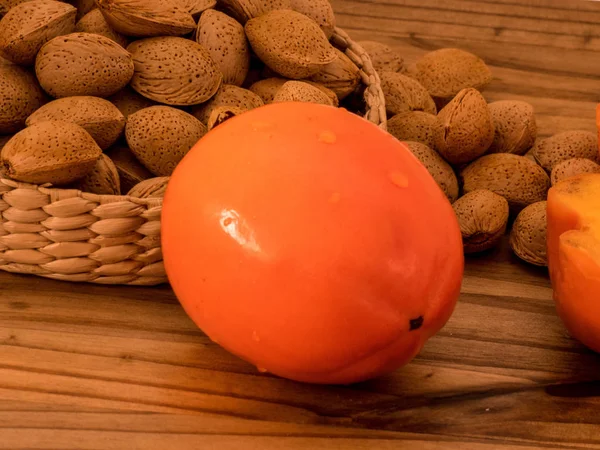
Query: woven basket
pixel 69 235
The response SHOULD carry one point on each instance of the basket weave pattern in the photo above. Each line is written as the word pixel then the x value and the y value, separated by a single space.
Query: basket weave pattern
pixel 69 235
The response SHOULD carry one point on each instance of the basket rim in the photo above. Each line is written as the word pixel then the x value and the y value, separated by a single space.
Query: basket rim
pixel 373 95
pixel 47 189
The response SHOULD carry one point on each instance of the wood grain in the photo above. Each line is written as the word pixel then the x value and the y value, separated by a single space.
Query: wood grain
pixel 93 367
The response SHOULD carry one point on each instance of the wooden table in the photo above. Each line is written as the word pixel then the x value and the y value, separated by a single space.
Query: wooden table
pixel 88 367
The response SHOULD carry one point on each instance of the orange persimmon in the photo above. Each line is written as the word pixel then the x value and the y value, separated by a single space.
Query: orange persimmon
pixel 312 244
pixel 573 236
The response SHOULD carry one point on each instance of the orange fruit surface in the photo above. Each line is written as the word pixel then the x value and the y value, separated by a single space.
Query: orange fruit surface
pixel 573 237
pixel 312 244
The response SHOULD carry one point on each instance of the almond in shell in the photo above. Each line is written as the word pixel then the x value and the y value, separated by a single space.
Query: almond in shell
pixel 6 5
pixel 482 216
pixel 228 95
pixel 151 188
pixel 514 177
pixel 174 71
pixel 222 114
pixel 529 155
pixel 447 71
pixel 95 23
pixel 97 116
pixel 571 168
pixel 439 169
pixel 4 140
pixel 267 89
pixel 244 10
pixel 290 43
pixel 197 7
pixel 383 57
pixel 341 76
pixel 298 91
pixel 335 101
pixel 145 18
pixel 515 127
pixel 83 7
pixel 83 64
pixel 54 152
pixel 28 26
pixel 464 130
pixel 102 180
pixel 131 171
pixel 405 94
pixel 20 96
pixel 566 145
pixel 414 126
pixel 128 101
pixel 528 235
pixel 226 42
pixel 160 136
pixel 320 11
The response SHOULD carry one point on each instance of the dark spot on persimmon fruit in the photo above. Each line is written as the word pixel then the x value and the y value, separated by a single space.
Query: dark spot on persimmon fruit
pixel 417 323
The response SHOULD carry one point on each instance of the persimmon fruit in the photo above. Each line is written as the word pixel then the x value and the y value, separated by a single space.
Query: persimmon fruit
pixel 574 255
pixel 311 243
pixel 573 240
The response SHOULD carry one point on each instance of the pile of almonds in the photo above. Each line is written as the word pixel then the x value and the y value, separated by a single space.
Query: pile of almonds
pixel 107 96
pixel 485 156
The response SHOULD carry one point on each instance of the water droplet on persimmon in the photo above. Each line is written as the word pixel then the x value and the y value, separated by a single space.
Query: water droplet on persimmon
pixel 399 179
pixel 327 137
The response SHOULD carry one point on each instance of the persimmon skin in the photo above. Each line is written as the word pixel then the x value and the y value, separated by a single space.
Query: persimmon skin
pixel 307 241
pixel 573 239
